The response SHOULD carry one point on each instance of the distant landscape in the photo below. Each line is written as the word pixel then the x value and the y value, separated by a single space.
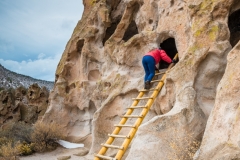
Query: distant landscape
pixel 9 79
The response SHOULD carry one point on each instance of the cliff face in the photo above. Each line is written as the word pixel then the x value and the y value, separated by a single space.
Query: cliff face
pixel 100 71
pixel 22 104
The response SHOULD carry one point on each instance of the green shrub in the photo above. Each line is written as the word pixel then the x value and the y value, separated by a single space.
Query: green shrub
pixel 24 148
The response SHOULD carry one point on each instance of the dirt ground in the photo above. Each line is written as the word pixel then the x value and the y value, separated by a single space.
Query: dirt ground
pixel 60 153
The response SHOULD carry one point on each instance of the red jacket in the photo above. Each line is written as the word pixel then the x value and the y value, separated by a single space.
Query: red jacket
pixel 159 55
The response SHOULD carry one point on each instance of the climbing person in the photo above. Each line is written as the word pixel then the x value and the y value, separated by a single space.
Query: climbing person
pixel 149 62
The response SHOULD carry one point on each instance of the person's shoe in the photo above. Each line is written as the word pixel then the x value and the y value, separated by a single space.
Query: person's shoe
pixel 147 85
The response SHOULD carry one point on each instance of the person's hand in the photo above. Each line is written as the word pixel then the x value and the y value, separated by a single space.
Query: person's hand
pixel 174 61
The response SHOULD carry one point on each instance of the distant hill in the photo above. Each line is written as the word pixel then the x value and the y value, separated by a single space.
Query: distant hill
pixel 9 79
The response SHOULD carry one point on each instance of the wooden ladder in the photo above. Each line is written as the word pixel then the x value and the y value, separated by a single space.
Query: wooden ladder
pixel 139 118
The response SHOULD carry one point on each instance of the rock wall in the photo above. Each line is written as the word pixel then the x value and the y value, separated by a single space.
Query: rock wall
pixel 22 104
pixel 221 138
pixel 100 71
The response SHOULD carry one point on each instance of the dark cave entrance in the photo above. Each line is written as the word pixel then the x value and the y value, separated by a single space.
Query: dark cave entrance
pixel 169 46
pixel 132 27
pixel 80 44
pixel 234 27
pixel 131 31
pixel 110 30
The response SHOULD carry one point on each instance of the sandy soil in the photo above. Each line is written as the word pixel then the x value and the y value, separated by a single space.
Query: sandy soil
pixel 58 154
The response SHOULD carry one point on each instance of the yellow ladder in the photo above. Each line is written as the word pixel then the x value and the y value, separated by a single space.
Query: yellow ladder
pixel 128 138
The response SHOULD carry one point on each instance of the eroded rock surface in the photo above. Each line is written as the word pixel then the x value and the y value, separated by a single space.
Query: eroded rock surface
pixel 8 110
pixel 22 104
pixel 221 139
pixel 100 71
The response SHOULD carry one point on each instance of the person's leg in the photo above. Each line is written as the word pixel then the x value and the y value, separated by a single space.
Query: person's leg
pixel 151 68
pixel 145 66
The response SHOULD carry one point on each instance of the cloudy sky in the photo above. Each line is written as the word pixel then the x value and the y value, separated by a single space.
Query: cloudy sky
pixel 34 33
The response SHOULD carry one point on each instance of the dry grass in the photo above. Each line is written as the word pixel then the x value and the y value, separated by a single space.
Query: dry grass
pixel 11 149
pixel 45 135
pixel 8 150
pixel 20 139
pixel 12 137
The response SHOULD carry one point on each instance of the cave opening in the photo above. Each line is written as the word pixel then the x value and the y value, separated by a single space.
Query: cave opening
pixel 132 27
pixel 131 31
pixel 234 27
pixel 80 44
pixel 110 30
pixel 169 46
pixel 115 18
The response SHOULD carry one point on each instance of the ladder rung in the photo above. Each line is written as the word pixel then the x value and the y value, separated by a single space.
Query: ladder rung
pixel 159 80
pixel 104 157
pixel 118 136
pixel 156 74
pixel 135 107
pixel 112 146
pixel 132 116
pixel 142 98
pixel 119 125
pixel 147 90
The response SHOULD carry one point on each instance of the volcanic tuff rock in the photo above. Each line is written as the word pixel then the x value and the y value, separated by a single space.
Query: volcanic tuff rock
pixel 100 71
pixel 21 104
pixel 221 139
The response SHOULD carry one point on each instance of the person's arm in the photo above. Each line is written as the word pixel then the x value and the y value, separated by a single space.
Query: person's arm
pixel 165 57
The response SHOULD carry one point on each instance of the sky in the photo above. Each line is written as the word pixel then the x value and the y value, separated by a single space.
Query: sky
pixel 34 33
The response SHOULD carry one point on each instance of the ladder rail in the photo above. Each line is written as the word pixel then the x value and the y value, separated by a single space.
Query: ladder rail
pixel 104 149
pixel 138 122
pixel 133 131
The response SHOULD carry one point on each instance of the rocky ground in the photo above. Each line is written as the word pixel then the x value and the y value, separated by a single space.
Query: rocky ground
pixel 59 154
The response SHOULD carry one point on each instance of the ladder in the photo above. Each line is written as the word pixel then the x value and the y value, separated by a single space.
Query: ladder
pixel 139 118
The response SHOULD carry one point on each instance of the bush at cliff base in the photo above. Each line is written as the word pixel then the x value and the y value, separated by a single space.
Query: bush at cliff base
pixel 23 139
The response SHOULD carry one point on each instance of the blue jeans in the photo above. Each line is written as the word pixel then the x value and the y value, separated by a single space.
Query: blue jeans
pixel 148 63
